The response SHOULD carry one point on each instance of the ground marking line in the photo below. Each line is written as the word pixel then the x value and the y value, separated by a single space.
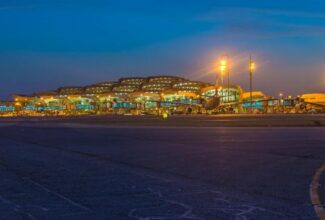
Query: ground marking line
pixel 48 191
pixel 314 193
pixel 59 195
pixel 16 208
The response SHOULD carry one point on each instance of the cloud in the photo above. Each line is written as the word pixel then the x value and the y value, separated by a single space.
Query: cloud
pixel 266 22
pixel 17 7
pixel 273 30
pixel 232 12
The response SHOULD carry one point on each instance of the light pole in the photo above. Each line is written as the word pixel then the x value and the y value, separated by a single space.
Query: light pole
pixel 228 84
pixel 251 70
pixel 281 101
pixel 223 68
pixel 281 97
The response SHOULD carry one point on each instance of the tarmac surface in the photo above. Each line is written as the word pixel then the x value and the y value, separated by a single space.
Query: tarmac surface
pixel 226 167
pixel 226 120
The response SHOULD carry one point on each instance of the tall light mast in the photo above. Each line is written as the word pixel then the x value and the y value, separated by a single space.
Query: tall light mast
pixel 251 71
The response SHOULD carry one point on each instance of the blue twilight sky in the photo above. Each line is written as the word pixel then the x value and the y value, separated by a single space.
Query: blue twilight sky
pixel 47 44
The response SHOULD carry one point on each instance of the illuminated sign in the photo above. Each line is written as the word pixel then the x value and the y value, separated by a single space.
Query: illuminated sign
pixel 84 107
pixel 257 104
pixel 124 105
pixel 4 108
pixel 43 108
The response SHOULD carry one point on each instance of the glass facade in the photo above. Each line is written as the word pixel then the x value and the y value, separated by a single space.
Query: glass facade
pixel 154 93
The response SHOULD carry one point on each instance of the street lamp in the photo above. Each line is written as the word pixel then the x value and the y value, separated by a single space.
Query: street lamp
pixel 280 101
pixel 228 82
pixel 251 71
pixel 223 68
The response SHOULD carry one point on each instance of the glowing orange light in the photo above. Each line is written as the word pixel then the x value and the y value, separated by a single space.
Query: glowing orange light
pixel 223 66
pixel 252 66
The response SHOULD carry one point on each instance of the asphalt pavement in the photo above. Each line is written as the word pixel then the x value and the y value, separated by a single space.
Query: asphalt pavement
pixel 223 120
pixel 54 169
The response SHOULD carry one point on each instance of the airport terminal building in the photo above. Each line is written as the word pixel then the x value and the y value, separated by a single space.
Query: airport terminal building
pixel 137 95
pixel 125 95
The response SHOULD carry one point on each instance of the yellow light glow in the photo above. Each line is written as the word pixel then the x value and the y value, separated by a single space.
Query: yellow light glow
pixel 223 66
pixel 252 66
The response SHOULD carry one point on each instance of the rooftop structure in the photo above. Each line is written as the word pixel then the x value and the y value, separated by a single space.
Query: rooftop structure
pixel 136 81
pixel 318 98
pixel 154 93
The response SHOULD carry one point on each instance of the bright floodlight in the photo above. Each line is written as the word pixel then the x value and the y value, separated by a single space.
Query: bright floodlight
pixel 252 66
pixel 223 66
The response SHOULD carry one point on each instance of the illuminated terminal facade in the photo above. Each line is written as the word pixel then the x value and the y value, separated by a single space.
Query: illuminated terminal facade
pixel 150 94
pixel 139 95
